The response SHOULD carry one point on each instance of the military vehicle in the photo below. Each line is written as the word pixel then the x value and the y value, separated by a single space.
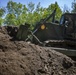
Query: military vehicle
pixel 60 36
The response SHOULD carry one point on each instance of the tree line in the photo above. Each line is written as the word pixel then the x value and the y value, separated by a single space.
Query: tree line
pixel 17 13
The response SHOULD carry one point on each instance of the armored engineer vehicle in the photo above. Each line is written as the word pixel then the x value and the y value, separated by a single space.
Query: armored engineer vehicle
pixel 60 36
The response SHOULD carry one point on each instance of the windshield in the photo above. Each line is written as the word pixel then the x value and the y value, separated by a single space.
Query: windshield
pixel 62 20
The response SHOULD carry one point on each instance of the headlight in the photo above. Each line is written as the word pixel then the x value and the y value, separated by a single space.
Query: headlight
pixel 43 27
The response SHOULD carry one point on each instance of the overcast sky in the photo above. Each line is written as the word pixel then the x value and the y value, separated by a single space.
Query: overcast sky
pixel 44 3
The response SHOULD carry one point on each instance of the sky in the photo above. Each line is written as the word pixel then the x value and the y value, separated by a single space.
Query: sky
pixel 44 3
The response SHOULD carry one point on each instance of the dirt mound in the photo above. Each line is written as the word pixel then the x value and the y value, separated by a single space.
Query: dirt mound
pixel 22 58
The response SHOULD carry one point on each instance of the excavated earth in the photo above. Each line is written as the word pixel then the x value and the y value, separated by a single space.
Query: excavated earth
pixel 22 58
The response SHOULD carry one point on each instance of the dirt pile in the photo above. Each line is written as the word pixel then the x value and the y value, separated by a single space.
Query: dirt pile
pixel 22 58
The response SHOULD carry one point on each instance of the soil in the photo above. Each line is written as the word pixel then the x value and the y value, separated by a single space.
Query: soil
pixel 23 58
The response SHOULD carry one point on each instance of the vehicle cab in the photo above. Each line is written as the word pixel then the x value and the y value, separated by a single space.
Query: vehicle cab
pixel 68 20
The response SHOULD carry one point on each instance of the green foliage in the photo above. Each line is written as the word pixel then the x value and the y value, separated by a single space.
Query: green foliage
pixel 74 6
pixel 1 21
pixel 2 12
pixel 18 13
pixel 58 11
pixel 31 7
pixel 10 19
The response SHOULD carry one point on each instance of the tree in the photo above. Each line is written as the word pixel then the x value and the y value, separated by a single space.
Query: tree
pixel 40 12
pixel 66 9
pixel 38 7
pixel 34 15
pixel 74 6
pixel 16 13
pixel 31 7
pixel 2 11
pixel 58 10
